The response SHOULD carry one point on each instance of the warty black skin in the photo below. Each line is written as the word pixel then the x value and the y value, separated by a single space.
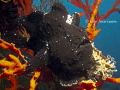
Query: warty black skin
pixel 63 47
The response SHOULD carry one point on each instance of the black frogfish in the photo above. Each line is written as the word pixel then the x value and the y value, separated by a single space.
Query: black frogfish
pixel 58 42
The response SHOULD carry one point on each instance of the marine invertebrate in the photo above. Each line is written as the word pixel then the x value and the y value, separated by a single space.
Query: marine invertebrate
pixel 92 15
pixel 5 1
pixel 33 83
pixel 14 67
pixel 102 65
pixel 24 6
pixel 10 47
pixel 61 46
pixel 14 82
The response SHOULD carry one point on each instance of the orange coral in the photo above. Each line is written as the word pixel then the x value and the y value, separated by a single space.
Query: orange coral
pixel 114 80
pixel 10 47
pixel 92 15
pixel 27 51
pixel 26 6
pixel 14 83
pixel 91 27
pixel 90 85
pixel 33 82
pixel 81 14
pixel 13 66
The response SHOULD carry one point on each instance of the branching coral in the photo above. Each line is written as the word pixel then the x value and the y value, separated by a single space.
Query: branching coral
pixel 14 68
pixel 24 6
pixel 14 83
pixel 33 82
pixel 10 47
pixel 92 15
pixel 102 66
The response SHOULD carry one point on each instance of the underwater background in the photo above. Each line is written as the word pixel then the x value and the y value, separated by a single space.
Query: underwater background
pixel 107 40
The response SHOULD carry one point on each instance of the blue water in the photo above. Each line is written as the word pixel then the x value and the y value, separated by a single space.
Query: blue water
pixel 108 40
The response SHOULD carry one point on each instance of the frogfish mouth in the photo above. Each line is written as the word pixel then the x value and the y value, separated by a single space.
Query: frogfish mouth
pixel 58 42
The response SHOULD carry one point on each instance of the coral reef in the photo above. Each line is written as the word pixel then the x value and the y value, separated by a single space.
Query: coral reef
pixel 24 6
pixel 59 52
pixel 92 15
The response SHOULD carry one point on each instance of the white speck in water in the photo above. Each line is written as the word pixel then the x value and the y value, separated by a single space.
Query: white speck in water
pixel 45 52
pixel 23 19
pixel 15 34
pixel 76 51
pixel 83 37
pixel 28 39
pixel 47 47
pixel 63 16
pixel 70 40
pixel 56 41
pixel 81 45
pixel 47 44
